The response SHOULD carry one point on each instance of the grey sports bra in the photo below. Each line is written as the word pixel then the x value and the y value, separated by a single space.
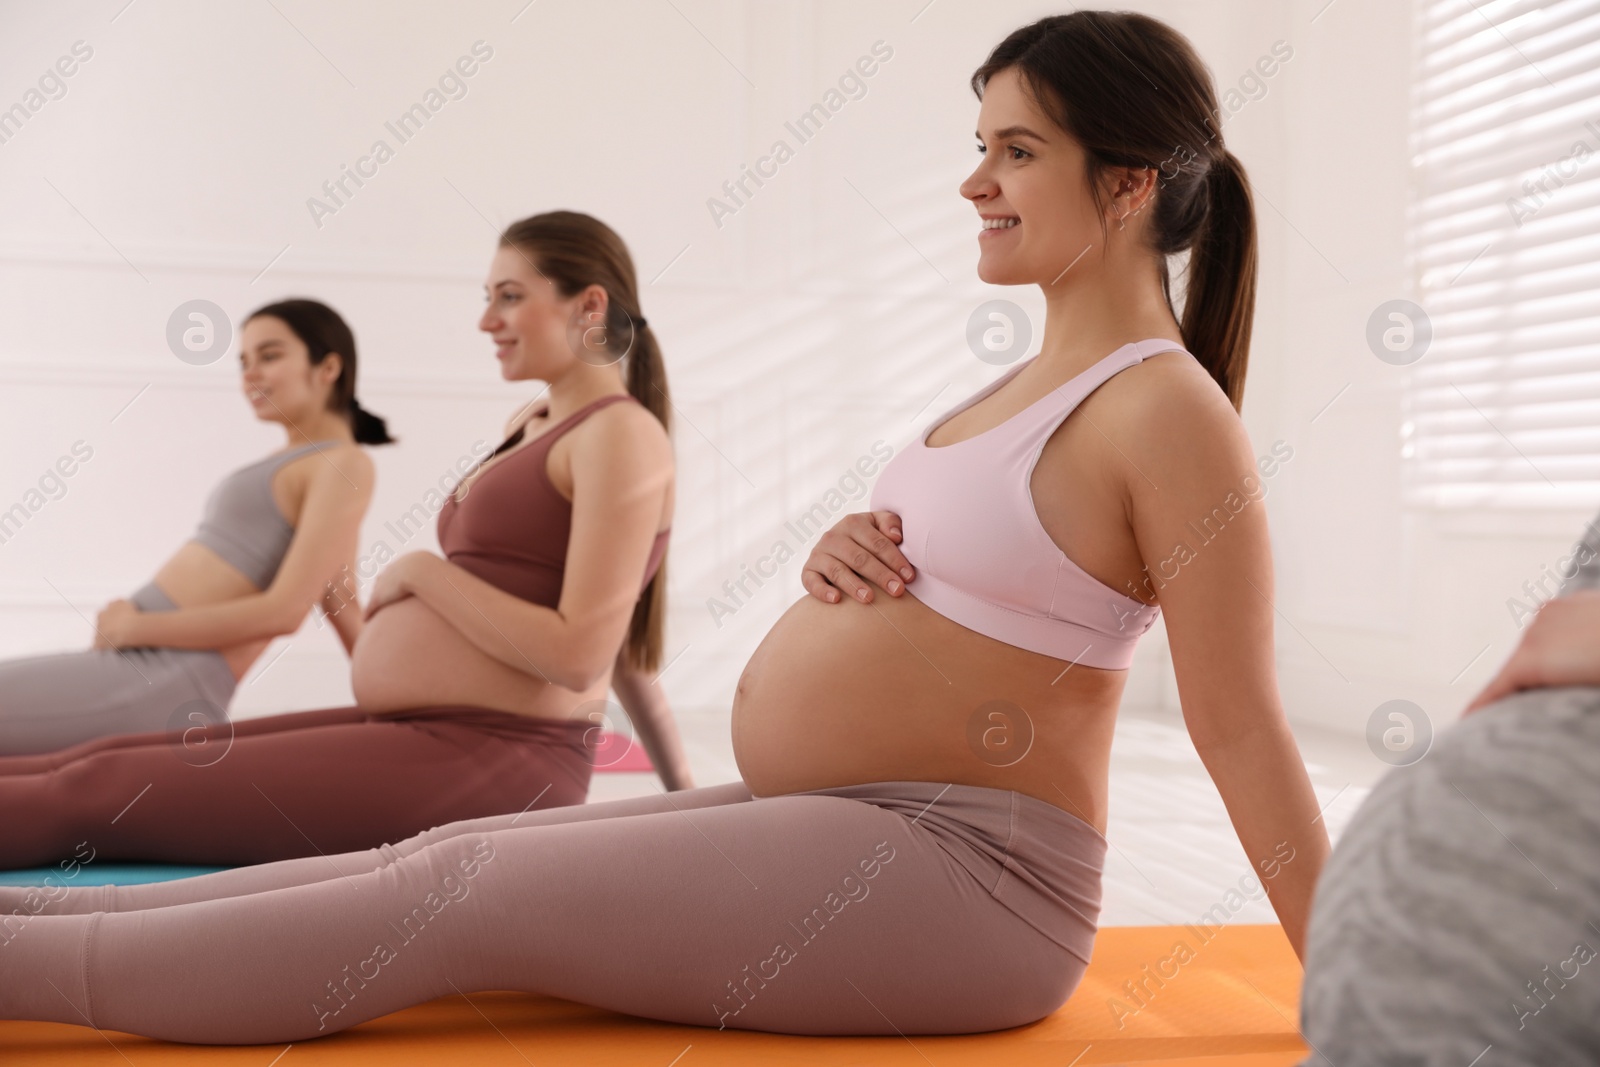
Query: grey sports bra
pixel 242 523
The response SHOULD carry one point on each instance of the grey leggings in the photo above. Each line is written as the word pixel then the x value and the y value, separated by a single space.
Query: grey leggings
pixel 884 908
pixel 53 701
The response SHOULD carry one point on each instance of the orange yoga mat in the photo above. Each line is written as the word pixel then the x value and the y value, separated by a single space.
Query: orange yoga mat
pixel 1230 1001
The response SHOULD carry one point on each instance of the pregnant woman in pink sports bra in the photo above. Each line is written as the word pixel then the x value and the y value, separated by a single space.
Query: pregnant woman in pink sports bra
pixel 916 843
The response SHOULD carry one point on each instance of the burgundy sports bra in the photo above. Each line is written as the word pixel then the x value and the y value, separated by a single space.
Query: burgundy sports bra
pixel 512 528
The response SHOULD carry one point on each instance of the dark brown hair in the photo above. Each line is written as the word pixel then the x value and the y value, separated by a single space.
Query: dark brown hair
pixel 1132 91
pixel 322 330
pixel 576 251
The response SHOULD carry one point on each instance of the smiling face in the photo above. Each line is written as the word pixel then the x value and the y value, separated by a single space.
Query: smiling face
pixel 277 376
pixel 1030 191
pixel 536 331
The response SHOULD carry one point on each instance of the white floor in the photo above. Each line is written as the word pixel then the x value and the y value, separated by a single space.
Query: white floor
pixel 1173 857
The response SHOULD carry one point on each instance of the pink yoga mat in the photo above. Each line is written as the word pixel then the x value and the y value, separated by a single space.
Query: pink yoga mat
pixel 614 752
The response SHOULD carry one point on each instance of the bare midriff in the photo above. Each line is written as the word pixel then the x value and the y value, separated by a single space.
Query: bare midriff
pixel 196 576
pixel 846 693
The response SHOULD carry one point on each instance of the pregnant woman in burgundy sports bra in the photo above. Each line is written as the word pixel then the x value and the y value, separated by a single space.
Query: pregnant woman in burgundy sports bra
pixel 480 676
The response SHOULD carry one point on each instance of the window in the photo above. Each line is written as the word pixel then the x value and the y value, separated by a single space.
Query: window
pixel 1503 409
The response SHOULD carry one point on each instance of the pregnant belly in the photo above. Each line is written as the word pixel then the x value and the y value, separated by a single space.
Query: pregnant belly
pixel 408 656
pixel 838 694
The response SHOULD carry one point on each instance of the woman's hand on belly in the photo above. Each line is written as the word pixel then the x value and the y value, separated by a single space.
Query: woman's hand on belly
pixel 116 625
pixel 859 549
pixel 390 585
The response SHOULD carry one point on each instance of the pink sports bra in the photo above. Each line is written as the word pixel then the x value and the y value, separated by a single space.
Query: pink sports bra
pixel 982 557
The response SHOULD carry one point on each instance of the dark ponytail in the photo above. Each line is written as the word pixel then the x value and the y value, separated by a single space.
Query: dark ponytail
pixel 369 429
pixel 1220 299
pixel 322 330
pixel 1133 93
pixel 576 251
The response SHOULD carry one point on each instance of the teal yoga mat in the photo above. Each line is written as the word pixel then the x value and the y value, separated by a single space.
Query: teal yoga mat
pixel 103 874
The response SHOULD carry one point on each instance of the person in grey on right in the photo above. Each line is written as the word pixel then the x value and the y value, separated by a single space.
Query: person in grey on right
pixel 1457 920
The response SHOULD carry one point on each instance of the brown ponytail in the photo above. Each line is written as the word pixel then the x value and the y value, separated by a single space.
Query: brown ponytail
pixel 576 251
pixel 1133 93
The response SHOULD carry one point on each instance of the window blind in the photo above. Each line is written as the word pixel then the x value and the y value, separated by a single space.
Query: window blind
pixel 1502 411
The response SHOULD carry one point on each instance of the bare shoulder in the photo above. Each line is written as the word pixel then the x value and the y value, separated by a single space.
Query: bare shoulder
pixel 618 449
pixel 347 466
pixel 1166 384
pixel 1170 414
pixel 626 426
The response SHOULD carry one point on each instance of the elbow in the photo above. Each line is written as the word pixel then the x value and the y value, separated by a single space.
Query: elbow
pixel 581 677
pixel 1223 740
pixel 579 668
pixel 281 629
pixel 282 620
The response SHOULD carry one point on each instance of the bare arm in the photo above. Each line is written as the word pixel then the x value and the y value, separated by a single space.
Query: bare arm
pixel 1192 461
pixel 329 527
pixel 620 475
pixel 651 716
pixel 341 606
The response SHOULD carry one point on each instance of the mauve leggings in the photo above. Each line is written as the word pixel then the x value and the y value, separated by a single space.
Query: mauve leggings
pixel 884 908
pixel 283 786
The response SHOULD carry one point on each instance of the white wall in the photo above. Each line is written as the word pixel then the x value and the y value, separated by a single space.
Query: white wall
pixel 817 319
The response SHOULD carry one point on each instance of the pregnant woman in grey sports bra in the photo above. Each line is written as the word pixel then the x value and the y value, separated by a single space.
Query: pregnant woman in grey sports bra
pixel 273 536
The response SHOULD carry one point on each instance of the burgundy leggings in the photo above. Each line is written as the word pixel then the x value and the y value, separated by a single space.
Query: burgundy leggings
pixel 282 786
pixel 881 908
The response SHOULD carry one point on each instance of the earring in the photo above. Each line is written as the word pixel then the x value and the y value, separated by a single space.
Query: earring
pixel 1121 223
